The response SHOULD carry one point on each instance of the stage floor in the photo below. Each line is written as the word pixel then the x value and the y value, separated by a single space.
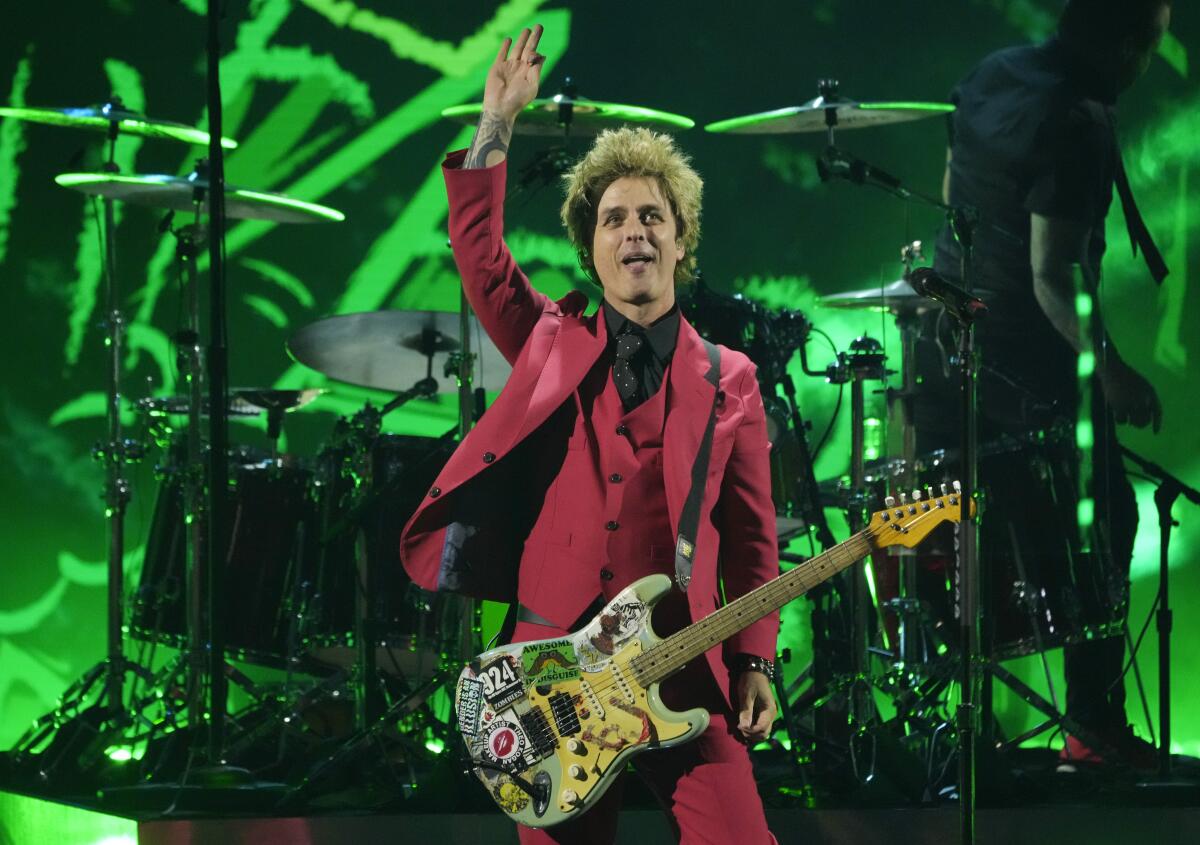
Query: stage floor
pixel 26 820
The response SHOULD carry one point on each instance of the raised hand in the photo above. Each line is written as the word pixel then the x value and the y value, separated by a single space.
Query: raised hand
pixel 512 84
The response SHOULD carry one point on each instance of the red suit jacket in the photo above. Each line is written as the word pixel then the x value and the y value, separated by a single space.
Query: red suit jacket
pixel 464 536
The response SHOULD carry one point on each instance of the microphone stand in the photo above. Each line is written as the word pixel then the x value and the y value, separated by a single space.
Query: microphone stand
pixel 1169 489
pixel 968 603
pixel 218 411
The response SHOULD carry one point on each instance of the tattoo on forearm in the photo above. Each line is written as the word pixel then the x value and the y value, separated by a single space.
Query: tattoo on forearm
pixel 494 133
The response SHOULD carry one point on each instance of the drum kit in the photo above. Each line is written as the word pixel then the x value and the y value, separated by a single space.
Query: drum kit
pixel 310 549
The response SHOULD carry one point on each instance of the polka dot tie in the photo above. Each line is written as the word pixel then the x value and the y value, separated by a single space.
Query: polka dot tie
pixel 623 376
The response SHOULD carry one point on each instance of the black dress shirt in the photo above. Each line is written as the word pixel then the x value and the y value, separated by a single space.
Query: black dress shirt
pixel 650 362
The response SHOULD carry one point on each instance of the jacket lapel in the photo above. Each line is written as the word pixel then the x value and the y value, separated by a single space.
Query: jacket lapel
pixel 574 350
pixel 689 403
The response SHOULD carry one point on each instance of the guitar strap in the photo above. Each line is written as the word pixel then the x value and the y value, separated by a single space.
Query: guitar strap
pixel 689 519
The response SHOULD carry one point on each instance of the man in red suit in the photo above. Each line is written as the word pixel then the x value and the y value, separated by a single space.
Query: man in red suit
pixel 572 484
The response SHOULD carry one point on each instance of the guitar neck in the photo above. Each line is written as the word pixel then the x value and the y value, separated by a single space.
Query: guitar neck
pixel 692 641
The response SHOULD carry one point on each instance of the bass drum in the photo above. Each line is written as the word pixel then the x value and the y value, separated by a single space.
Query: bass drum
pixel 1041 590
pixel 371 496
pixel 271 524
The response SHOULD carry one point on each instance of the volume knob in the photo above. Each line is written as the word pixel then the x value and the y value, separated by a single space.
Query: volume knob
pixel 576 771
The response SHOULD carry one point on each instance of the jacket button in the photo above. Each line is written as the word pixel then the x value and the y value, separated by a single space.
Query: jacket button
pixel 435 492
pixel 616 478
pixel 622 429
pixel 606 575
pixel 612 525
pixel 488 457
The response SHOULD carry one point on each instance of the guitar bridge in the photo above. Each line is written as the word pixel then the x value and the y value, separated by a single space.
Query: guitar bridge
pixel 540 734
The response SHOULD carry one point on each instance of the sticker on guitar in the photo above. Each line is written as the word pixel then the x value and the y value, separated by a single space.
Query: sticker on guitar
pixel 501 683
pixel 550 662
pixel 616 625
pixel 469 705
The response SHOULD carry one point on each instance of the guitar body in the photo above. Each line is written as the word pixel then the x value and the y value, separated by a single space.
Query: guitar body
pixel 562 717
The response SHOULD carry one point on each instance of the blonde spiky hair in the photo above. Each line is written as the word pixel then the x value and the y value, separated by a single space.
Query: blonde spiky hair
pixel 618 153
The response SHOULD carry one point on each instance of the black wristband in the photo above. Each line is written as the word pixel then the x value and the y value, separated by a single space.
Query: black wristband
pixel 753 663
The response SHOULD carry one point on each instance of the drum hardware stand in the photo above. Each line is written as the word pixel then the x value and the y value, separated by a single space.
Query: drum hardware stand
pixel 189 239
pixel 358 744
pixel 1169 489
pixel 217 370
pixel 359 436
pixel 115 452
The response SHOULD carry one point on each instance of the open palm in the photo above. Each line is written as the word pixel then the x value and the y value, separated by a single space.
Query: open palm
pixel 513 79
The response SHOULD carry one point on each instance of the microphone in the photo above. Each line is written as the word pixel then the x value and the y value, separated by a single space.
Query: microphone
pixel 932 285
pixel 834 164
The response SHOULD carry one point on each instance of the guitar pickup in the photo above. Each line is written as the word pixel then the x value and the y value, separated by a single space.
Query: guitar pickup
pixel 537 728
pixel 566 717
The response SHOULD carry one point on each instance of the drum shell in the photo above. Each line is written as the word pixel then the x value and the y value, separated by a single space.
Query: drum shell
pixel 269 535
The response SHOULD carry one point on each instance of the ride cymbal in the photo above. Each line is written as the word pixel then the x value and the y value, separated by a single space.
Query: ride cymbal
pixel 393 350
pixel 813 116
pixel 180 193
pixel 565 115
pixel 897 297
pixel 103 118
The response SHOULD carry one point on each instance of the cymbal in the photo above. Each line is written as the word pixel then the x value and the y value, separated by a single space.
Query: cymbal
pixel 588 117
pixel 178 193
pixel 393 350
pixel 243 402
pixel 101 118
pixel 810 117
pixel 897 297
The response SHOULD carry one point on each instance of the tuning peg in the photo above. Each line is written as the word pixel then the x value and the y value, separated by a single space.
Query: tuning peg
pixel 904 498
pixel 957 487
pixel 916 494
pixel 890 501
pixel 945 490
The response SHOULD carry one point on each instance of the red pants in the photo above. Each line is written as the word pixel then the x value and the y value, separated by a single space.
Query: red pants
pixel 706 785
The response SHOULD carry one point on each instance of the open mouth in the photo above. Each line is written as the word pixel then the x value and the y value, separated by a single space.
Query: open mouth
pixel 637 258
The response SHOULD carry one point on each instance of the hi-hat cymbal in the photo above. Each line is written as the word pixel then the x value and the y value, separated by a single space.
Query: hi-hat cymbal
pixel 393 350
pixel 102 118
pixel 811 117
pixel 587 117
pixel 178 193
pixel 243 402
pixel 898 297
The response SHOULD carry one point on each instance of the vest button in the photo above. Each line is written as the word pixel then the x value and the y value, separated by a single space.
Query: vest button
pixel 606 575
pixel 488 457
pixel 616 478
pixel 435 492
pixel 622 429
pixel 612 525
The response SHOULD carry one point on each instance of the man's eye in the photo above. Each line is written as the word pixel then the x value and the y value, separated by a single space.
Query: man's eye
pixel 652 215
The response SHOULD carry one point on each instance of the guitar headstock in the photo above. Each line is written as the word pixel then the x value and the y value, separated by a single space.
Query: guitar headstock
pixel 909 521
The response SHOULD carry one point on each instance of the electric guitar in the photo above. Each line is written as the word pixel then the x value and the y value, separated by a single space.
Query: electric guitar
pixel 550 723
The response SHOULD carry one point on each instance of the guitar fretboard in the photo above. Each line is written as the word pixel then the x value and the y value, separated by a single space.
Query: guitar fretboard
pixel 695 639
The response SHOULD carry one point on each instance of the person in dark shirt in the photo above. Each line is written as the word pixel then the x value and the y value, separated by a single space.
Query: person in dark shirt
pixel 1033 150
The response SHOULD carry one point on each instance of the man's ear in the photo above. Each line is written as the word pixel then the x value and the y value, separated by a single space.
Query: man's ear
pixel 679 250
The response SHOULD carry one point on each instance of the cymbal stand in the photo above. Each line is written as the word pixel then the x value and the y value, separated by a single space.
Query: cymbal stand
pixel 188 241
pixel 864 361
pixel 116 452
pixel 968 587
pixel 218 404
pixel 908 605
pixel 1168 491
